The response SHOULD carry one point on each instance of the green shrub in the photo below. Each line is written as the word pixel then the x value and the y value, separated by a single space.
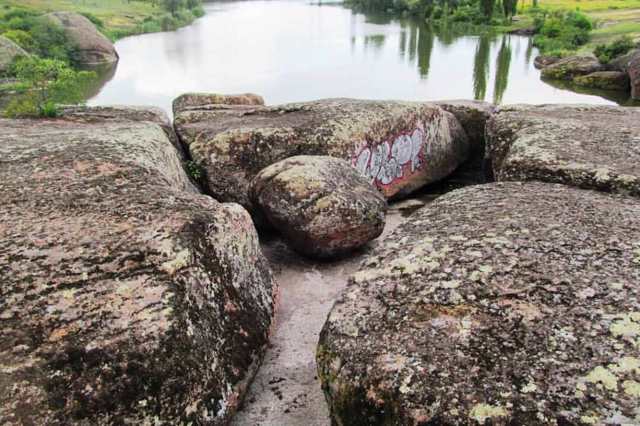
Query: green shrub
pixel 607 52
pixel 561 31
pixel 21 38
pixel 49 83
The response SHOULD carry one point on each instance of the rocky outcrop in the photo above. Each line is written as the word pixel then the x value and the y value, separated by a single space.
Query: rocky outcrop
pixel 125 299
pixel 571 67
pixel 122 113
pixel 202 101
pixel 579 145
pixel 91 46
pixel 398 146
pixel 473 116
pixel 322 205
pixel 509 303
pixel 606 80
pixel 9 52
pixel 634 75
pixel 542 61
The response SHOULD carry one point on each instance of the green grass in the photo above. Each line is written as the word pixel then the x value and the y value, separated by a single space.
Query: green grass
pixel 585 5
pixel 120 17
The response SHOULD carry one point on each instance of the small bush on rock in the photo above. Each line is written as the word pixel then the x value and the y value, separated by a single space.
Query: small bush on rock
pixel 607 52
pixel 48 82
pixel 560 32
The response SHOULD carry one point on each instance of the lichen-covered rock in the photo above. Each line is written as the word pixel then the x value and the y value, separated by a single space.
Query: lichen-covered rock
pixel 606 80
pixel 91 46
pixel 542 61
pixel 125 299
pixel 473 116
pixel 9 52
pixel 398 146
pixel 621 63
pixel 202 101
pixel 121 113
pixel 322 205
pixel 571 67
pixel 501 304
pixel 633 69
pixel 586 146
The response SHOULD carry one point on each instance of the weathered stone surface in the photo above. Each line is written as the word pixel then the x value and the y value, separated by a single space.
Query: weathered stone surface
pixel 571 67
pixel 124 298
pixel 122 113
pixel 607 80
pixel 541 61
pixel 579 145
pixel 322 205
pixel 92 47
pixel 634 75
pixel 509 303
pixel 399 146
pixel 196 101
pixel 473 116
pixel 9 51
pixel 621 63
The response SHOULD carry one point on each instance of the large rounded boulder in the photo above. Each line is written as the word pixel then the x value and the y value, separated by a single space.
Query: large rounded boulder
pixel 398 146
pixel 501 304
pixel 126 297
pixel 322 205
pixel 91 46
pixel 9 52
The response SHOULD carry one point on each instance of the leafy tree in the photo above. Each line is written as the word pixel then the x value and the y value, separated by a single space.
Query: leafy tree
pixel 172 6
pixel 487 6
pixel 48 82
pixel 509 7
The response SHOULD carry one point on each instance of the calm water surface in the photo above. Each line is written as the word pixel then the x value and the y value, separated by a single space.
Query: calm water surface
pixel 295 51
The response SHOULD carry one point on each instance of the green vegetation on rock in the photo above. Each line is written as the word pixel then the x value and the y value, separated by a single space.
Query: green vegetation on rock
pixel 46 83
pixel 607 52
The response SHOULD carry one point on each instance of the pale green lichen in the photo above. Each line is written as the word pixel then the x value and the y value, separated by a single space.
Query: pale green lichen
pixel 482 412
pixel 631 388
pixel 182 260
pixel 529 387
pixel 589 420
pixel 603 376
pixel 628 325
pixel 625 365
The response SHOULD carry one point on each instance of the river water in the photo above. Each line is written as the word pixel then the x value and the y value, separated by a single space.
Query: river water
pixel 293 50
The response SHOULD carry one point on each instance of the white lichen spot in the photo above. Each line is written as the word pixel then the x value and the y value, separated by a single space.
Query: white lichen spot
pixel 589 420
pixel 631 388
pixel 603 376
pixel 529 387
pixel 628 325
pixel 625 365
pixel 181 261
pixel 482 412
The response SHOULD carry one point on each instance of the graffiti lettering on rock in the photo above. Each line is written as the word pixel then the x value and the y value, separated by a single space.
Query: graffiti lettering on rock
pixel 392 160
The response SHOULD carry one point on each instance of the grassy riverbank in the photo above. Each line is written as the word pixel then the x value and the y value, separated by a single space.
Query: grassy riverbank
pixel 118 18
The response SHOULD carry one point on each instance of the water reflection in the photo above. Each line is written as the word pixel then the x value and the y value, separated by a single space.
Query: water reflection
pixel 293 51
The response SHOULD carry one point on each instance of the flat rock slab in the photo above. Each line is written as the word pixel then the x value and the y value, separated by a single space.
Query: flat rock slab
pixel 585 146
pixel 322 205
pixel 399 146
pixel 508 303
pixel 125 298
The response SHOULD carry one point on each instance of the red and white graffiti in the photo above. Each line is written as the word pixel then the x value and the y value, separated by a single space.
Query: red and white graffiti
pixel 394 159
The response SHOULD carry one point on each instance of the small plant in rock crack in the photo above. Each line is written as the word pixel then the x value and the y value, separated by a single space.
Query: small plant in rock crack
pixel 195 171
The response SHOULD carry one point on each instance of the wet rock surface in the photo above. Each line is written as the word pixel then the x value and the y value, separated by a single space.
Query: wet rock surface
pixel 125 298
pixel 92 47
pixel 571 67
pixel 9 52
pixel 506 303
pixel 322 205
pixel 399 146
pixel 579 145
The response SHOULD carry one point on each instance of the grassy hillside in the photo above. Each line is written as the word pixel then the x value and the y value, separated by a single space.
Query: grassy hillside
pixel 120 17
